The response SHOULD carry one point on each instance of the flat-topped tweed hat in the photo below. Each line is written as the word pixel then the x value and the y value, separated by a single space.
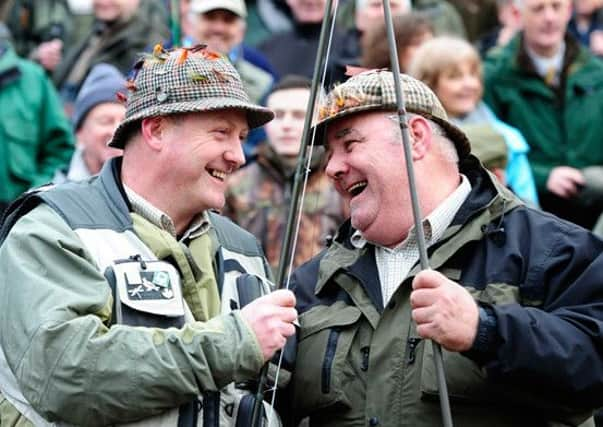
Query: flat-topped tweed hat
pixel 374 90
pixel 185 81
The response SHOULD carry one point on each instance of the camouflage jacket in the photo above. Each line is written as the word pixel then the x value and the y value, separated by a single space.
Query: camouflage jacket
pixel 258 199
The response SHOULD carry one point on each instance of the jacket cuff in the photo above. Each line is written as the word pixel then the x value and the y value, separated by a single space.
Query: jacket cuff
pixel 487 339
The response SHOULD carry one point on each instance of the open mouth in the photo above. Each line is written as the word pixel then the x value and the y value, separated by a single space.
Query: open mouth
pixel 219 175
pixel 357 188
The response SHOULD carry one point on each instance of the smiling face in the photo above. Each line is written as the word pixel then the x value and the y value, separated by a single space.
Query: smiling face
pixel 285 131
pixel 459 87
pixel 221 29
pixel 198 152
pixel 544 23
pixel 95 132
pixel 366 164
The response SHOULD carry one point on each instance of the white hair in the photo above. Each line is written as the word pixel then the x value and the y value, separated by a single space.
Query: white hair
pixel 446 147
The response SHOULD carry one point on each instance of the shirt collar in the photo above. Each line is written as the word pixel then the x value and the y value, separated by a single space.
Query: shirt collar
pixel 199 225
pixel 434 224
pixel 548 68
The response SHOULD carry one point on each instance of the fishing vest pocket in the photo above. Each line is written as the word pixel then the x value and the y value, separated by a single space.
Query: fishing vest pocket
pixel 322 367
pixel 146 293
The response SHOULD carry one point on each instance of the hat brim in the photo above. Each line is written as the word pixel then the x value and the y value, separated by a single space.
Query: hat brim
pixel 256 115
pixel 456 135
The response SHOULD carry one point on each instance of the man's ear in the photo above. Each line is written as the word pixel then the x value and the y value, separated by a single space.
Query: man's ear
pixel 153 131
pixel 421 136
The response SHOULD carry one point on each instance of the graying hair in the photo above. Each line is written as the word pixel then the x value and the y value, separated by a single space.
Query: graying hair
pixel 445 145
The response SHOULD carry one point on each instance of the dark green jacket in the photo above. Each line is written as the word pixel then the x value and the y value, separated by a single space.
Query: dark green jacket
pixel 35 136
pixel 562 128
pixel 360 363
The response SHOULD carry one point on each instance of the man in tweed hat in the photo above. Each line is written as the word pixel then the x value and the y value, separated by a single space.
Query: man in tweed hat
pixel 125 295
pixel 513 298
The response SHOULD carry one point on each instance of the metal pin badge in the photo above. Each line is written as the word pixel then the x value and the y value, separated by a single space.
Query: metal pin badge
pixel 161 94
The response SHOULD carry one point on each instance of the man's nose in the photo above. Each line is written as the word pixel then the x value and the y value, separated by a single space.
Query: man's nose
pixel 336 167
pixel 236 154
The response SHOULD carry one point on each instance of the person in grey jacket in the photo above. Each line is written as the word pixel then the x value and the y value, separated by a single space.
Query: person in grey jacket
pixel 128 300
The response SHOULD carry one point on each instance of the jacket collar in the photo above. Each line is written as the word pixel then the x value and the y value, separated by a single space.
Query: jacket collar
pixel 486 203
pixel 109 182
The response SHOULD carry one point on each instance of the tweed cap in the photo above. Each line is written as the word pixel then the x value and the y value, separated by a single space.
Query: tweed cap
pixel 374 90
pixel 185 81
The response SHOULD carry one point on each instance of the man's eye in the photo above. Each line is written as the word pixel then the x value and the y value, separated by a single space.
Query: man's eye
pixel 349 145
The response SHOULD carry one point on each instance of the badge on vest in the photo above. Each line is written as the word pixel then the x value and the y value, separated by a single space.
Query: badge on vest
pixel 149 286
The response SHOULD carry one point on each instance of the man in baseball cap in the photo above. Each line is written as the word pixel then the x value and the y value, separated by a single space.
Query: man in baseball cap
pixel 133 285
pixel 512 290
pixel 222 25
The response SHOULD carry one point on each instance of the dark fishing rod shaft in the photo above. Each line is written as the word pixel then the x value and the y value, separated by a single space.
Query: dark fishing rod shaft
pixel 416 210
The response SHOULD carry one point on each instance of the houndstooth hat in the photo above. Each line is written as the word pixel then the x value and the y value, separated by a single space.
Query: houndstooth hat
pixel 374 90
pixel 185 81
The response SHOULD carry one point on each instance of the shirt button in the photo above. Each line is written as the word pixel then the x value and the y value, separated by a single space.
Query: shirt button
pixel 374 421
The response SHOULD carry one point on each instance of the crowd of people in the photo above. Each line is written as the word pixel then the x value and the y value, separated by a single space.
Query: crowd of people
pixel 149 155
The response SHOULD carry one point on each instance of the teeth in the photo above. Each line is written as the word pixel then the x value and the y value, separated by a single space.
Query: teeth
pixel 218 174
pixel 357 188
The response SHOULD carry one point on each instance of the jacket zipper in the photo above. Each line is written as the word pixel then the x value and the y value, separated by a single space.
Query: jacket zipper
pixel 327 364
pixel 412 350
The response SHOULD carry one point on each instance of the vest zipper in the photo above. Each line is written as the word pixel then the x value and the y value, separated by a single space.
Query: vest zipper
pixel 327 363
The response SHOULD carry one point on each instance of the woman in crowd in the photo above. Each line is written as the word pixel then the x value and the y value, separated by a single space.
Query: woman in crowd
pixel 452 68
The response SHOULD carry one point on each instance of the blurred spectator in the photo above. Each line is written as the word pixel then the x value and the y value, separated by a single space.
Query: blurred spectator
pixel 452 68
pixel 479 16
pixel 410 30
pixel 97 113
pixel 35 137
pixel 120 32
pixel 221 25
pixel 444 16
pixel 40 29
pixel 187 24
pixel 368 14
pixel 587 24
pixel 259 196
pixel 153 11
pixel 490 147
pixel 509 21
pixel 266 17
pixel 551 89
pixel 294 52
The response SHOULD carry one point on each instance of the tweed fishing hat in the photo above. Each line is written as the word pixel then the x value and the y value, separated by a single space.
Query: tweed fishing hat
pixel 374 90
pixel 184 80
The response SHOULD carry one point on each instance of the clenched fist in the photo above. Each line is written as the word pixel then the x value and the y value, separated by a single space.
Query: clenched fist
pixel 444 311
pixel 271 317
